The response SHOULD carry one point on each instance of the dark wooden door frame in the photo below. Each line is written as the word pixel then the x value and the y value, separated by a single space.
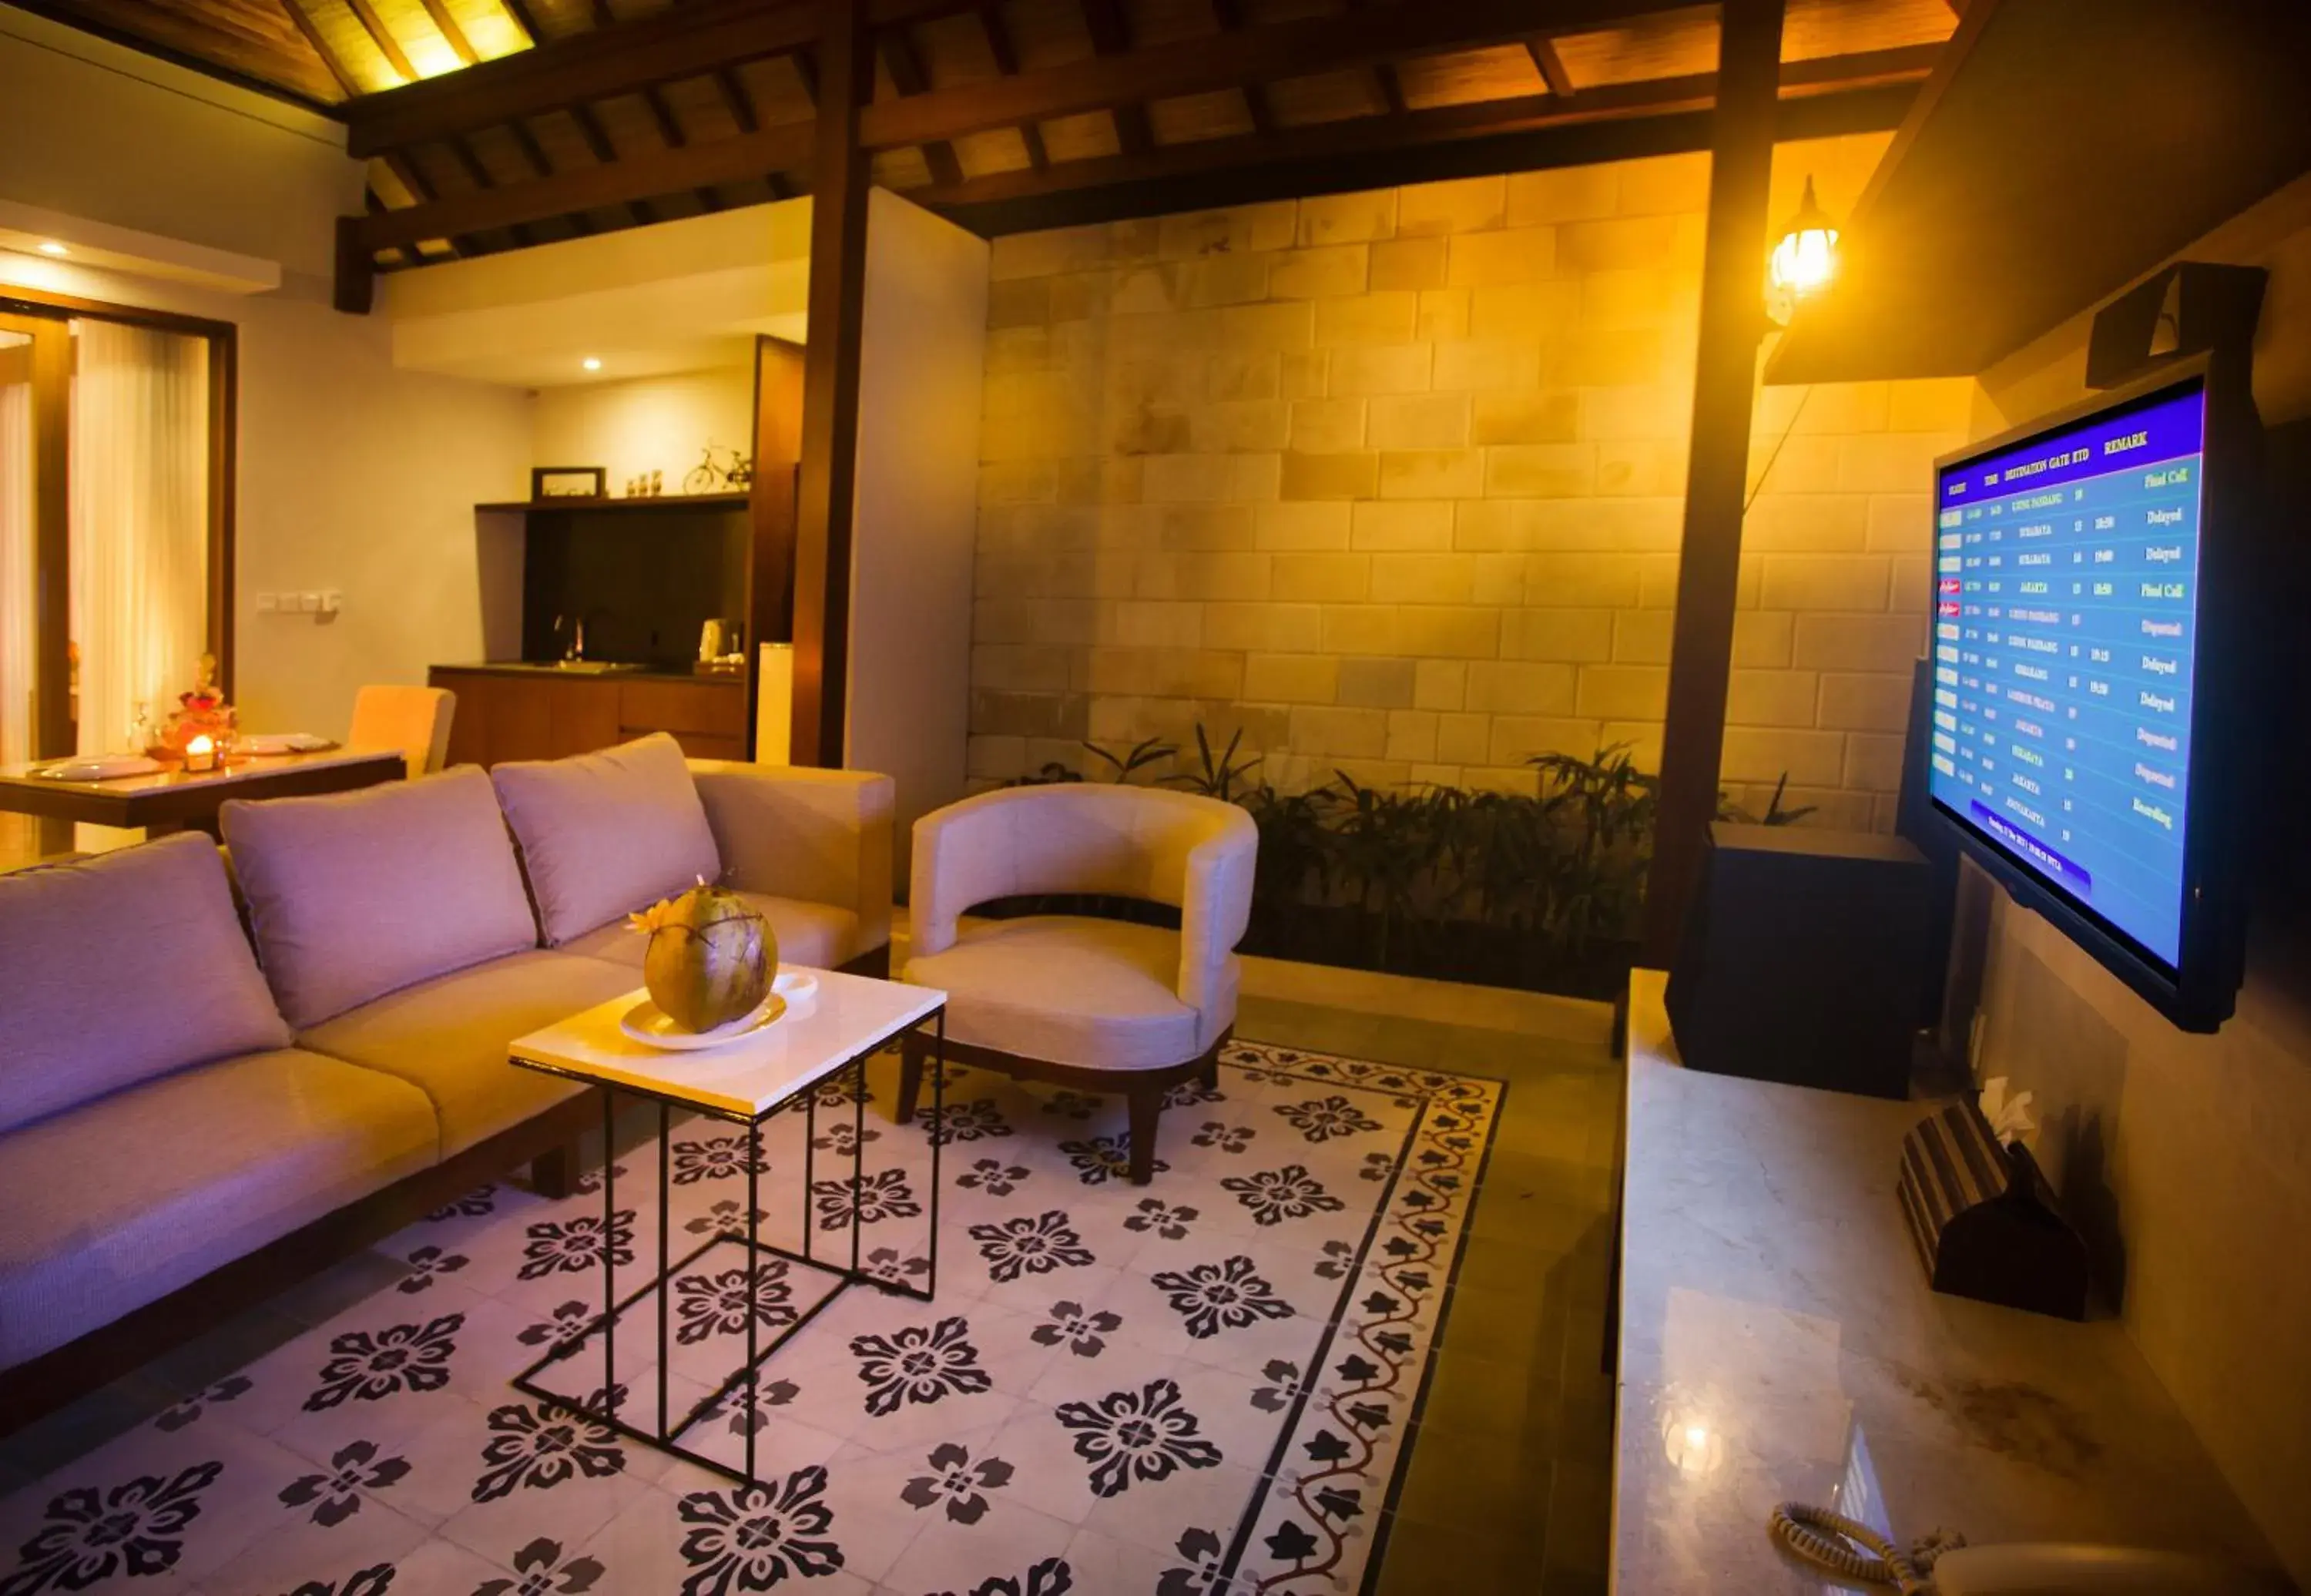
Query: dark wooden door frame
pixel 1724 382
pixel 839 170
pixel 52 446
pixel 779 378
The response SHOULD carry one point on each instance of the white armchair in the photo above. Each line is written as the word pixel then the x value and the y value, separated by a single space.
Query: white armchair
pixel 1097 1005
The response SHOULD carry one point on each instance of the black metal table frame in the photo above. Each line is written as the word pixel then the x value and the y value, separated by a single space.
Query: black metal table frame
pixel 665 1438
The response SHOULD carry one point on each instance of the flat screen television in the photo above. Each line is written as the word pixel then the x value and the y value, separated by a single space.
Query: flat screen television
pixel 2087 658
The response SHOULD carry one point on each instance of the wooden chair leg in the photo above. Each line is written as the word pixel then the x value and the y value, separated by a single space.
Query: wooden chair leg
pixel 1209 1076
pixel 911 1080
pixel 554 1173
pixel 1146 1107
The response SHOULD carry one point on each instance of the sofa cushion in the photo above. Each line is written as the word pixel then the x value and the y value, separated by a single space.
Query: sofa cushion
pixel 819 934
pixel 1065 989
pixel 607 833
pixel 121 968
pixel 361 893
pixel 448 1037
pixel 113 1205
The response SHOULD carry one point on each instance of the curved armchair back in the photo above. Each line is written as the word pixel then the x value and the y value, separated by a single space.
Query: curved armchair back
pixel 1194 853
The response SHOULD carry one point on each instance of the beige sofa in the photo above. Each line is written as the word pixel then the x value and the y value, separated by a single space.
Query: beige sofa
pixel 187 1120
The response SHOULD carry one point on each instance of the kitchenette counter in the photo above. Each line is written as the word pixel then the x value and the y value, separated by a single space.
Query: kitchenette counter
pixel 1778 1342
pixel 593 669
pixel 523 709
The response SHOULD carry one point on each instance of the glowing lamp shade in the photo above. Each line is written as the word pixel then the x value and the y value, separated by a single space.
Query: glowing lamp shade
pixel 1806 258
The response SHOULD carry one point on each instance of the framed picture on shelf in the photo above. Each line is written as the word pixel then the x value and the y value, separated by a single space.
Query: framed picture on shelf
pixel 569 482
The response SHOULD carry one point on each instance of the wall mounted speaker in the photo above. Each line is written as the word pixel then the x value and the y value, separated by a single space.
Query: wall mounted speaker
pixel 1800 958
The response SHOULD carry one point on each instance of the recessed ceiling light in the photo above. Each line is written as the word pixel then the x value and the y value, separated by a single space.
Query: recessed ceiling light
pixel 50 247
pixel 591 363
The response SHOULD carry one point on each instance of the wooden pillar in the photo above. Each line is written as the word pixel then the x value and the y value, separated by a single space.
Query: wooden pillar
pixel 829 399
pixel 778 456
pixel 53 735
pixel 354 286
pixel 1732 321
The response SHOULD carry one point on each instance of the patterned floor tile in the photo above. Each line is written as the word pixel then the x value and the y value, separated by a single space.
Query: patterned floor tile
pixel 1173 1389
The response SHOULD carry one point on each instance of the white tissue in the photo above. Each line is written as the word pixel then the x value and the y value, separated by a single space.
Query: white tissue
pixel 2010 1117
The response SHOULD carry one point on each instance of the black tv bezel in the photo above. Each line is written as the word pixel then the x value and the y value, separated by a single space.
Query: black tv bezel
pixel 2200 990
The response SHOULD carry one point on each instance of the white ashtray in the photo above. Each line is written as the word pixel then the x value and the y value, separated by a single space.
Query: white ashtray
pixel 792 992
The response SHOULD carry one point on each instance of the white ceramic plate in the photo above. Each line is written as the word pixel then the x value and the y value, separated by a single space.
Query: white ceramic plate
pixel 103 767
pixel 283 742
pixel 651 1026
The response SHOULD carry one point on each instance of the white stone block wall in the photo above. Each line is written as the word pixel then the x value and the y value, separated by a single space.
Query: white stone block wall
pixel 1392 483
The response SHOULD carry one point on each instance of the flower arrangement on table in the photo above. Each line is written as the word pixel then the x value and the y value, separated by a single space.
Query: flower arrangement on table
pixel 201 713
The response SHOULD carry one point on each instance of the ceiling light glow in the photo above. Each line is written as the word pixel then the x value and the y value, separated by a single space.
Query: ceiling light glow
pixel 591 363
pixel 50 247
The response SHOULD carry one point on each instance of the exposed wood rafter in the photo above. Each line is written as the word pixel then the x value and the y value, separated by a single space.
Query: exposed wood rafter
pixel 1006 57
pixel 1110 36
pixel 908 77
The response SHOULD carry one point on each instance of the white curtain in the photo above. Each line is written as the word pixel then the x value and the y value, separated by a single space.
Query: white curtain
pixel 139 523
pixel 18 617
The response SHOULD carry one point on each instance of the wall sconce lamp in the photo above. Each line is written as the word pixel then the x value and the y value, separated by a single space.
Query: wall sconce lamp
pixel 1804 261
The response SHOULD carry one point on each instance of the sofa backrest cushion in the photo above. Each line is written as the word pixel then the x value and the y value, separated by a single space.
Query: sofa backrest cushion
pixel 604 834
pixel 361 893
pixel 120 968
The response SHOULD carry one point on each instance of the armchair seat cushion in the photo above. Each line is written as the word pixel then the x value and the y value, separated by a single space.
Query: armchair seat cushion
pixel 448 1037
pixel 819 934
pixel 1096 993
pixel 116 1203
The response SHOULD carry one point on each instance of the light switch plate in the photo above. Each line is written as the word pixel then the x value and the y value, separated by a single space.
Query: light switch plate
pixel 310 603
pixel 331 601
pixel 268 603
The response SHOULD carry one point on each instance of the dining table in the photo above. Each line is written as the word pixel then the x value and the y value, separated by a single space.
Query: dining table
pixel 175 799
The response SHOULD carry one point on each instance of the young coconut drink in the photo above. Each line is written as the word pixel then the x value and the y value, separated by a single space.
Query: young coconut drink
pixel 710 959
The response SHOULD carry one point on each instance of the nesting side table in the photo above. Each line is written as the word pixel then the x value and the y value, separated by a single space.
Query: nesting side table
pixel 741 1083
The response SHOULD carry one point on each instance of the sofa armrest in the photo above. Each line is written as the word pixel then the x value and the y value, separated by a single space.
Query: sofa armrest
pixel 794 832
pixel 1216 910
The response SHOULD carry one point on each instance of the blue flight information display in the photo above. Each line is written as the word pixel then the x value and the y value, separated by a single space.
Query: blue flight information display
pixel 2065 623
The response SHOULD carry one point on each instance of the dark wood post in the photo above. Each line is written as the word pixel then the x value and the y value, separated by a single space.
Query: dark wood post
pixel 830 397
pixel 1709 564
pixel 355 289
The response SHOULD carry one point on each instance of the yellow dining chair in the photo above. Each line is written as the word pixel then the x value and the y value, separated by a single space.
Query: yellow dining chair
pixel 415 720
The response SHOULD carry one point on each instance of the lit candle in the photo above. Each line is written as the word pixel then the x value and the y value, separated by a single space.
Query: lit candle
pixel 201 755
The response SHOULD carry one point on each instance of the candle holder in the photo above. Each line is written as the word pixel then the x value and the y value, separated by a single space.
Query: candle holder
pixel 201 755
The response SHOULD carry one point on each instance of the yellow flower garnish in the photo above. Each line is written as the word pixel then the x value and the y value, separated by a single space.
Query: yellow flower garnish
pixel 650 918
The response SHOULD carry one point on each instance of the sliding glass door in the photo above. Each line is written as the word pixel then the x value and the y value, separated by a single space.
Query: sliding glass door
pixel 115 456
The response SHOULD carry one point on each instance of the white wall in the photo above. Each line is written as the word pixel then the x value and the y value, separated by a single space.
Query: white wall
pixel 660 423
pixel 2195 1149
pixel 353 475
pixel 921 377
pixel 97 130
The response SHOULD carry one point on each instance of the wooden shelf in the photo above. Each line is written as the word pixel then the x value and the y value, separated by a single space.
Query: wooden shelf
pixel 737 501
pixel 2061 150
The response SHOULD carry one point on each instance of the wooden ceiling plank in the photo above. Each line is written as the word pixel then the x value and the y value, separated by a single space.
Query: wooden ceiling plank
pixel 635 179
pixel 452 34
pixel 1550 66
pixel 478 175
pixel 524 20
pixel 1110 36
pixel 1220 61
pixel 1006 57
pixel 525 139
pixel 670 129
pixel 598 142
pixel 682 41
pixel 1664 97
pixel 328 57
pixel 1228 14
pixel 381 36
pixel 908 77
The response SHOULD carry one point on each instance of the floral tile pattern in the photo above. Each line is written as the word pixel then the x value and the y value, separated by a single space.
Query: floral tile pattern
pixel 1195 1387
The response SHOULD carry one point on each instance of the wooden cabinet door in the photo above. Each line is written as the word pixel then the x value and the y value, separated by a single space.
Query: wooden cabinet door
pixel 584 716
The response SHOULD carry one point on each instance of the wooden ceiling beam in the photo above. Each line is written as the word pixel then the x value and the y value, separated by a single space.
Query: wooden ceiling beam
pixel 686 40
pixel 1359 136
pixel 635 179
pixel 452 33
pixel 381 36
pixel 1006 57
pixel 1550 66
pixel 1110 36
pixel 908 77
pixel 1221 61
pixel 1229 16
pixel 321 50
